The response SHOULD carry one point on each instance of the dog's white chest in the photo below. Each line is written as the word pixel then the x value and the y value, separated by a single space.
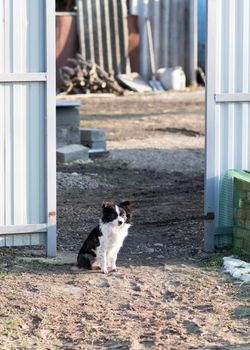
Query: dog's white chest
pixel 113 236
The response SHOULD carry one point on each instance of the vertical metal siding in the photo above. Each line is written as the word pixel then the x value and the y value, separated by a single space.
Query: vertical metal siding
pixel 103 32
pixel 23 37
pixel 227 109
pixel 174 26
pixel 27 119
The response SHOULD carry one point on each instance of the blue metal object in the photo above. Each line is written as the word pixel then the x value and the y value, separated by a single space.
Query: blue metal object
pixel 201 33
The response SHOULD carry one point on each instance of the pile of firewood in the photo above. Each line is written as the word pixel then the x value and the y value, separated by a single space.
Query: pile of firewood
pixel 83 77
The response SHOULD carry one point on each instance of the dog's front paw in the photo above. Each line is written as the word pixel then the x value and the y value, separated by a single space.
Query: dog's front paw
pixel 114 269
pixel 105 271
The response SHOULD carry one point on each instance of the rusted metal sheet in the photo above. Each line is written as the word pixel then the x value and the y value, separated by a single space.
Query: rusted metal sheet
pixel 134 42
pixel 66 40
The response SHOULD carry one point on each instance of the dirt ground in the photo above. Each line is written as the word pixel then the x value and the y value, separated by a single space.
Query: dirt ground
pixel 167 293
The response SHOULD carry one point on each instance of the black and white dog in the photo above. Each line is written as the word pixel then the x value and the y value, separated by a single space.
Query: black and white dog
pixel 105 240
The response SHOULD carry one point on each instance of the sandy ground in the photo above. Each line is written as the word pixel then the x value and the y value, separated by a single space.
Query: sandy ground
pixel 167 293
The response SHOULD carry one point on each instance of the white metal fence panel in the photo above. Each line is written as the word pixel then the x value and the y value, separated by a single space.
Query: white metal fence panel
pixel 24 159
pixel 23 36
pixel 227 100
pixel 27 123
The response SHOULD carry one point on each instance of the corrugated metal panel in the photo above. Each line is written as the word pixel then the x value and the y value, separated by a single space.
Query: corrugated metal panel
pixel 22 33
pixel 103 33
pixel 227 99
pixel 27 118
pixel 174 25
pixel 23 200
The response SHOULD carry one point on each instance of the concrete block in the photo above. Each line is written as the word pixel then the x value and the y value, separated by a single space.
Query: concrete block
pixel 90 134
pixel 67 135
pixel 68 117
pixel 73 136
pixel 61 136
pixel 95 144
pixel 71 153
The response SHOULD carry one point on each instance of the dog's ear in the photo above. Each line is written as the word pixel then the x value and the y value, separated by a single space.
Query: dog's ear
pixel 125 204
pixel 106 204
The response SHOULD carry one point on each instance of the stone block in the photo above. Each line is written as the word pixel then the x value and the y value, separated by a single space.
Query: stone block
pixel 67 117
pixel 61 136
pixel 90 134
pixel 73 136
pixel 71 153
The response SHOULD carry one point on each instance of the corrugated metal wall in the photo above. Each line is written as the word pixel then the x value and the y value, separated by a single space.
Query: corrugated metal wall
pixel 227 99
pixel 103 33
pixel 24 103
pixel 174 25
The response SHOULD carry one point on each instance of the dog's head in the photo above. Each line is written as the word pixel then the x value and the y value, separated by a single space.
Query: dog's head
pixel 117 214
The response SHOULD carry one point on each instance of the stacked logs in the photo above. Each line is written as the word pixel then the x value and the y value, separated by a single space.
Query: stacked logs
pixel 83 77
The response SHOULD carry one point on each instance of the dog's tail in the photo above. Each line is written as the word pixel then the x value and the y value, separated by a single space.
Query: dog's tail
pixel 85 260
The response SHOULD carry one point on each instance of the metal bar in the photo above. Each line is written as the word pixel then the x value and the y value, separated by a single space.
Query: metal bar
pixel 99 32
pixel 151 47
pixel 210 122
pixel 51 129
pixel 165 32
pixel 237 97
pixel 14 229
pixel 90 29
pixel 156 25
pixel 193 40
pixel 108 37
pixel 117 38
pixel 245 85
pixel 80 23
pixel 22 77
pixel 125 35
